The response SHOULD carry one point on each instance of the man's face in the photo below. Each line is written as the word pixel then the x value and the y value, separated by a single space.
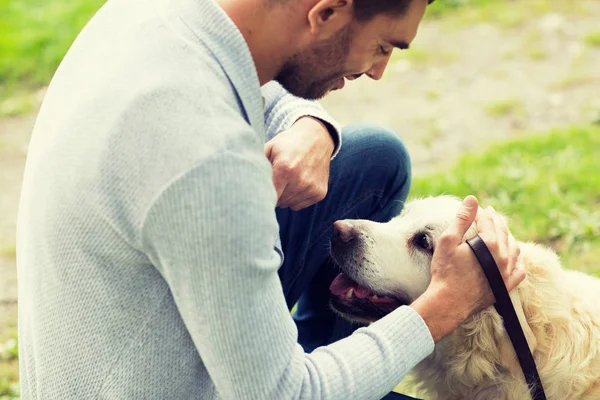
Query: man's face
pixel 356 49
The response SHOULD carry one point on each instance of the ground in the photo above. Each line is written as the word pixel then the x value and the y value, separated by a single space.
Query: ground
pixel 478 76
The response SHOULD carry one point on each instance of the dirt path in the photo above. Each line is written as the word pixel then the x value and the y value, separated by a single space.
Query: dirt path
pixel 464 84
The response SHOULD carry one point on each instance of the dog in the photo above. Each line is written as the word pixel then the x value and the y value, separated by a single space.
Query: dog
pixel 386 265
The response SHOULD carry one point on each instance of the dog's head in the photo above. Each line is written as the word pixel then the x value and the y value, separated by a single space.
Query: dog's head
pixel 385 265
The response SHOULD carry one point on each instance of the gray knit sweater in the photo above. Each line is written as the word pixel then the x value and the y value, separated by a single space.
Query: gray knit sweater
pixel 146 263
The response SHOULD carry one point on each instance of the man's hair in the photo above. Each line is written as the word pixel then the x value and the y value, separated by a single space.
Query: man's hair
pixel 364 10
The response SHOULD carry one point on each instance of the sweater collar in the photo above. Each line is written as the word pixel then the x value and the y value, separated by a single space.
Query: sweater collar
pixel 211 24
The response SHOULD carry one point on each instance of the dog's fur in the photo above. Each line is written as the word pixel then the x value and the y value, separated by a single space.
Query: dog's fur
pixel 558 309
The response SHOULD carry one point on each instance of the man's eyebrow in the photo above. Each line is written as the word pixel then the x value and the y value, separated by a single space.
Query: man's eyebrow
pixel 399 44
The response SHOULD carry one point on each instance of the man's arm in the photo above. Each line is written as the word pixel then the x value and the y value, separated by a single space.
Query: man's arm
pixel 282 110
pixel 210 233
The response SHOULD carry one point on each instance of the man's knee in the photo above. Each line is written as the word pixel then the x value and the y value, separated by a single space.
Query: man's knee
pixel 377 144
pixel 380 149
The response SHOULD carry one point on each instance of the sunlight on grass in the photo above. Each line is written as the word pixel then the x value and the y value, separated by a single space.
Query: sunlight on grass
pixel 505 14
pixel 9 359
pixel 593 39
pixel 36 34
pixel 548 186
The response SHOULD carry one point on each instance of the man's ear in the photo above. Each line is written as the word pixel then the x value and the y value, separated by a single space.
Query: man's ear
pixel 327 17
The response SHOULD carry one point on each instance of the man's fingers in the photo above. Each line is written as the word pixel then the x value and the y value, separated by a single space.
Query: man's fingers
pixel 280 185
pixel 486 228
pixel 514 252
pixel 306 198
pixel 464 218
pixel 502 255
pixel 517 276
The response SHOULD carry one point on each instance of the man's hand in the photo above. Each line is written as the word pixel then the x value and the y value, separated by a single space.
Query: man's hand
pixel 458 285
pixel 301 158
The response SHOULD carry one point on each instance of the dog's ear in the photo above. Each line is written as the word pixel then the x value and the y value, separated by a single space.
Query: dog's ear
pixel 508 357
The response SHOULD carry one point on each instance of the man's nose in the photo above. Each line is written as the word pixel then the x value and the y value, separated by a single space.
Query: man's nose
pixel 378 68
pixel 344 232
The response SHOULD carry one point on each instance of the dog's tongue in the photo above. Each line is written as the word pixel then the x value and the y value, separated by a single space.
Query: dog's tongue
pixel 342 283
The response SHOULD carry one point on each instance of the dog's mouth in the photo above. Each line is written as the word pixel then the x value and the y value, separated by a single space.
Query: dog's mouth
pixel 355 302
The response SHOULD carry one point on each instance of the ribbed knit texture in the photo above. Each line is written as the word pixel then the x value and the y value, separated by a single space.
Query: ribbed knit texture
pixel 146 263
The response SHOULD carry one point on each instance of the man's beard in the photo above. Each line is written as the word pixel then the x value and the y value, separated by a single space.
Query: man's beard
pixel 312 74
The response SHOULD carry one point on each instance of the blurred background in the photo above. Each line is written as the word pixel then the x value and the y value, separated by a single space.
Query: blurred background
pixel 497 98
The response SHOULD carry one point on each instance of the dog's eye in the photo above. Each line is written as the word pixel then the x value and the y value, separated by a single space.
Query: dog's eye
pixel 422 241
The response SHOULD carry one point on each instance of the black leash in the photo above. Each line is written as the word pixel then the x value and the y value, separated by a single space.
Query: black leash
pixel 506 310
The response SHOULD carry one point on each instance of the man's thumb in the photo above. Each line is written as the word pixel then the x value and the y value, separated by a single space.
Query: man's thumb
pixel 464 218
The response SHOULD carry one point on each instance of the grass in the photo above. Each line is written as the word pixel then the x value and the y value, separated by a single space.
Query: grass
pixel 35 35
pixel 505 107
pixel 9 387
pixel 440 8
pixel 593 39
pixel 547 185
pixel 505 14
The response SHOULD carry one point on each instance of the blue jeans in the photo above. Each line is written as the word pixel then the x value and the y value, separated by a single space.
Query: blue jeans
pixel 369 179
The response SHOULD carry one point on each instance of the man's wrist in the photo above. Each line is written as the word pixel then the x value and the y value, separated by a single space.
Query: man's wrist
pixel 436 311
pixel 323 127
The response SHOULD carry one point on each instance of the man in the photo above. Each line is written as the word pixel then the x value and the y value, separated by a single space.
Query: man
pixel 170 218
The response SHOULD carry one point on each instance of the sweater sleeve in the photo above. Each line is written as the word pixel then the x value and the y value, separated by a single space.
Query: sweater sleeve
pixel 282 109
pixel 210 233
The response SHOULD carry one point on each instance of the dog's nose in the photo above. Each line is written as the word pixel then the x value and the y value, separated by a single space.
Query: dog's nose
pixel 343 231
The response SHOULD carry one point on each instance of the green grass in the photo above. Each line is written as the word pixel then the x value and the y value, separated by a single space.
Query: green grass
pixel 35 35
pixel 440 8
pixel 548 186
pixel 9 387
pixel 593 39
pixel 505 14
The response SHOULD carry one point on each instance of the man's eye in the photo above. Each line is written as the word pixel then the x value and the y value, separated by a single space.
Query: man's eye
pixel 383 51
